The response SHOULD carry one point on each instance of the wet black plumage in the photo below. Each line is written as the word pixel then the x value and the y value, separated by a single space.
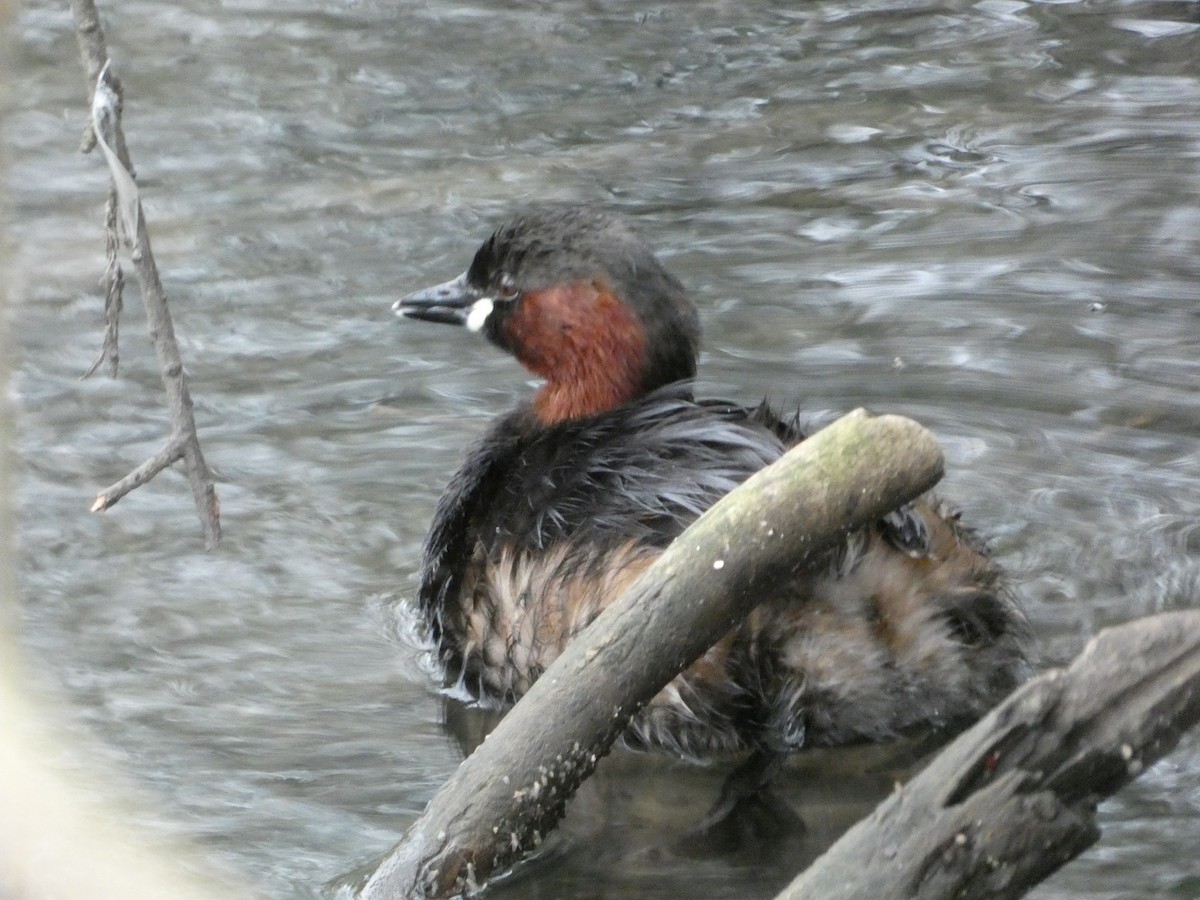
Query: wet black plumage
pixel 551 516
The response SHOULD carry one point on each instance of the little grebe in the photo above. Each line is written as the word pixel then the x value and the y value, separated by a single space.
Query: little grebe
pixel 568 498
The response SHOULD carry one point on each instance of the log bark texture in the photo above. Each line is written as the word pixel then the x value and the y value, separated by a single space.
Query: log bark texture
pixel 514 788
pixel 1013 799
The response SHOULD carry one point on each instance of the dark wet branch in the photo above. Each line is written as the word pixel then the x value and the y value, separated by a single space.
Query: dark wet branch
pixel 1014 798
pixel 513 789
pixel 105 131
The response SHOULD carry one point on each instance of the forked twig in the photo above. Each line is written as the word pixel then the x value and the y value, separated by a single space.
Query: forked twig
pixel 124 206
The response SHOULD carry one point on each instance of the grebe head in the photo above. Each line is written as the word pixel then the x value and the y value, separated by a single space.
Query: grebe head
pixel 581 301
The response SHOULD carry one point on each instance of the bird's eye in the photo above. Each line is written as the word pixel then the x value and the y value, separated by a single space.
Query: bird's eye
pixel 507 288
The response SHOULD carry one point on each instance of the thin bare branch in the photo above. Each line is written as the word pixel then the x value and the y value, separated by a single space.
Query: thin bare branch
pixel 125 206
pixel 168 455
pixel 114 291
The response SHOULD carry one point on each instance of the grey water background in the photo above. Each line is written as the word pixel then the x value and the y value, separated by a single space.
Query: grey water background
pixel 984 215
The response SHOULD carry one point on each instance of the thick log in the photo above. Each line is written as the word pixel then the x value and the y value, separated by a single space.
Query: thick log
pixel 1014 798
pixel 515 786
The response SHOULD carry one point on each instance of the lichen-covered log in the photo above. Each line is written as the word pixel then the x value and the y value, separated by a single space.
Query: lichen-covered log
pixel 514 788
pixel 1014 798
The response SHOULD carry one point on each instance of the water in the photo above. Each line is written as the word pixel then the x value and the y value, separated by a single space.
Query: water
pixel 983 215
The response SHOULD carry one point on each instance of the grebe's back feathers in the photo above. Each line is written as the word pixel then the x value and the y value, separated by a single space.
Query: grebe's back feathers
pixel 642 472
